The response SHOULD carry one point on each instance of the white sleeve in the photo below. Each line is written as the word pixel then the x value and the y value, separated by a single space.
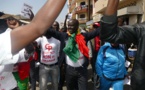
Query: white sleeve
pixel 22 56
pixel 38 40
pixel 6 56
pixel 5 48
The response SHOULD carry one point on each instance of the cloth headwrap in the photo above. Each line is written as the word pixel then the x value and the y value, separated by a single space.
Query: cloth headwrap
pixel 72 50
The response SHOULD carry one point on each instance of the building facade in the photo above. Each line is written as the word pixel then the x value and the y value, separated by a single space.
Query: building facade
pixel 131 10
pixel 81 10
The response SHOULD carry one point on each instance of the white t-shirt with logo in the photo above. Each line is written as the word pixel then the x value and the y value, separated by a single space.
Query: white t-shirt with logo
pixel 49 50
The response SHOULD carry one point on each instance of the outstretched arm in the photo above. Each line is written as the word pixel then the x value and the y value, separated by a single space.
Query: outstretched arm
pixel 114 33
pixel 22 36
pixel 111 7
pixel 65 20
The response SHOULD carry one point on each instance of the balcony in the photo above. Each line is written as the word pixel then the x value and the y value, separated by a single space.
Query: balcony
pixel 130 10
pixel 82 20
pixel 81 9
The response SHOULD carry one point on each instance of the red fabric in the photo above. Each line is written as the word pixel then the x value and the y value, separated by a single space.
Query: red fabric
pixel 35 57
pixel 97 43
pixel 23 70
pixel 82 45
pixel 24 67
pixel 97 24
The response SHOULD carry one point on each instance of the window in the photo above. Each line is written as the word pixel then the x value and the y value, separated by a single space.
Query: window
pixel 82 3
pixel 82 16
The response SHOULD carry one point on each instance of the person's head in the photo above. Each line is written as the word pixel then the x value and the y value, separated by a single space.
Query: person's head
pixel 120 21
pixel 47 35
pixel 73 26
pixel 56 26
pixel 13 22
pixel 63 29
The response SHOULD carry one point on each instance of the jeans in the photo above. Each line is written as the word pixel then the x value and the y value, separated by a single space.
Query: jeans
pixel 76 78
pixel 106 84
pixel 34 74
pixel 44 73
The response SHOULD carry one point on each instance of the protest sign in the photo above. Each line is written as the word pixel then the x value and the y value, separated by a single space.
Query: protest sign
pixel 25 12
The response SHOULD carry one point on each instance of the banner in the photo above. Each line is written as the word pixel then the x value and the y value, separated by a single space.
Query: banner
pixel 25 12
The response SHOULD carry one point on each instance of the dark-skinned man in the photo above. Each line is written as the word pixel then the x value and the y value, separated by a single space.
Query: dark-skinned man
pixel 126 34
pixel 55 25
pixel 76 53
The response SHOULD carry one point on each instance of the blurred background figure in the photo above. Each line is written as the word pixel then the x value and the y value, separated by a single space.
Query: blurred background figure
pixel 55 25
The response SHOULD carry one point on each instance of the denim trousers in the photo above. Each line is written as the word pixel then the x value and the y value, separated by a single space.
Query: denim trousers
pixel 34 74
pixel 46 72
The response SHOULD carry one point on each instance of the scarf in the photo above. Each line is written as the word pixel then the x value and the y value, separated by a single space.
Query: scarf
pixel 72 50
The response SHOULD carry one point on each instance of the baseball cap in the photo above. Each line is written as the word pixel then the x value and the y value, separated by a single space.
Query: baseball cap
pixel 96 24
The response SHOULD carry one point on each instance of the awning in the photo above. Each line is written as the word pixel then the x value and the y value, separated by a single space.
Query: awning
pixel 89 22
pixel 130 10
pixel 82 25
pixel 122 4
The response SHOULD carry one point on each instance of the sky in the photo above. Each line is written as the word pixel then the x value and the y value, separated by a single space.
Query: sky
pixel 15 7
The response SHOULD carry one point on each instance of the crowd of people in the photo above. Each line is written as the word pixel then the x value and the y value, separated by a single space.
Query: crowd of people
pixel 41 51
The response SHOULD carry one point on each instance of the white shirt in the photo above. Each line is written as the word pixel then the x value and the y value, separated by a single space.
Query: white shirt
pixel 6 56
pixel 75 64
pixel 49 50
pixel 7 81
pixel 79 63
pixel 7 61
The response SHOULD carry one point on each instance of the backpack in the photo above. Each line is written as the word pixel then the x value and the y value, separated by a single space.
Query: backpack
pixel 104 50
